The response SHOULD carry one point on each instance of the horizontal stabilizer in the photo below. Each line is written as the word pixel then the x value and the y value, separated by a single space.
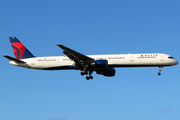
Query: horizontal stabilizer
pixel 13 59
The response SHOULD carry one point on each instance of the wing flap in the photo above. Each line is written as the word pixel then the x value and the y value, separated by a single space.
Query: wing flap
pixel 13 59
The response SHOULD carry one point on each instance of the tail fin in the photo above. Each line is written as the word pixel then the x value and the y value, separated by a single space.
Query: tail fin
pixel 20 51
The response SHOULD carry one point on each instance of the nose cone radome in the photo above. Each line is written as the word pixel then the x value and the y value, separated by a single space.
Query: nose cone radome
pixel 176 62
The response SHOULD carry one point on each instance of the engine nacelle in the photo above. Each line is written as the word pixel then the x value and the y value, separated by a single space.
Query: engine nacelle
pixel 107 72
pixel 100 64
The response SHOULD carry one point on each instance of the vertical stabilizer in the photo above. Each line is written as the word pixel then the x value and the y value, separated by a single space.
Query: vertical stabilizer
pixel 20 51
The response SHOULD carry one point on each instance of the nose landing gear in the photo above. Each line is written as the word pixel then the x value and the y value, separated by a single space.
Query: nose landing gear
pixel 159 73
pixel 160 67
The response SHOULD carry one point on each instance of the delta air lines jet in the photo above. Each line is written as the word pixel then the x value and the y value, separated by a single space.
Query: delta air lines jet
pixel 101 64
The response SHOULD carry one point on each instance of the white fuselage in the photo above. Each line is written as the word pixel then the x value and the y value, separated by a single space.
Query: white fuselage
pixel 114 60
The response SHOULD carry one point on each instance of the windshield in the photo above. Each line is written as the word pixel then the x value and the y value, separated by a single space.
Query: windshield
pixel 170 57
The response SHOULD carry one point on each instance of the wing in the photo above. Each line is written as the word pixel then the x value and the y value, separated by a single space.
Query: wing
pixel 13 59
pixel 75 56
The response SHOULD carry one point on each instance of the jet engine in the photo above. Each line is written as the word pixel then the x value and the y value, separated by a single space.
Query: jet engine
pixel 107 72
pixel 100 64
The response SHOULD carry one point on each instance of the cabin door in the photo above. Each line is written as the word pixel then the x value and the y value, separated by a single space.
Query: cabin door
pixel 132 59
pixel 32 62
pixel 162 58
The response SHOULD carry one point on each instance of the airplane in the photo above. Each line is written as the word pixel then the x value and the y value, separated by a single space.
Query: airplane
pixel 101 64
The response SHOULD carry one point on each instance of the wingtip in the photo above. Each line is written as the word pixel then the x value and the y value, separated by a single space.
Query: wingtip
pixel 59 44
pixel 4 55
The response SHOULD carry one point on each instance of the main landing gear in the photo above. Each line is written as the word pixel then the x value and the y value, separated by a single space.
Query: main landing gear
pixel 87 77
pixel 85 72
pixel 160 67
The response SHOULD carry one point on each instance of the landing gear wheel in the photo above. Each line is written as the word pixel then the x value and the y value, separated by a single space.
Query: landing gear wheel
pixel 86 73
pixel 159 73
pixel 91 77
pixel 82 73
pixel 87 78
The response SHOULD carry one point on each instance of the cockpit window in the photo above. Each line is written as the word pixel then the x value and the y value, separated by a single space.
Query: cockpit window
pixel 170 57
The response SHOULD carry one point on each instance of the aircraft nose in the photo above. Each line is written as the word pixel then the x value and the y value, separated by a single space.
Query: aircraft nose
pixel 175 62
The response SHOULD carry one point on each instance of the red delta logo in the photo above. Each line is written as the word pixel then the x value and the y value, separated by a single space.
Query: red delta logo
pixel 18 49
